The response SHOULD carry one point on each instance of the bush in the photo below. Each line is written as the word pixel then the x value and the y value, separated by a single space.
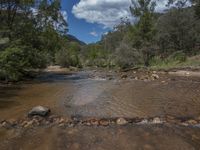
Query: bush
pixel 126 56
pixel 62 59
pixel 15 61
pixel 178 56
pixel 171 61
pixel 65 59
pixel 12 63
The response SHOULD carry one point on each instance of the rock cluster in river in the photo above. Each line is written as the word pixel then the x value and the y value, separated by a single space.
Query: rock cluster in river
pixel 53 120
pixel 140 75
pixel 145 75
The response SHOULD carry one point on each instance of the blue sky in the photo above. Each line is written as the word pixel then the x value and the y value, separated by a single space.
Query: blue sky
pixel 87 32
pixel 89 19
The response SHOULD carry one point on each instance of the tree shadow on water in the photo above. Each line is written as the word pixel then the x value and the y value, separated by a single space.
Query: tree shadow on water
pixel 9 91
pixel 7 94
pixel 8 104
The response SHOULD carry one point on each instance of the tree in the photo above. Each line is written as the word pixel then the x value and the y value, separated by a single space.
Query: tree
pixel 69 55
pixel 183 3
pixel 177 31
pixel 144 30
pixel 34 30
pixel 197 9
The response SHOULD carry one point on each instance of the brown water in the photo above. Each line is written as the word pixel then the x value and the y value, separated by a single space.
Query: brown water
pixel 108 138
pixel 78 95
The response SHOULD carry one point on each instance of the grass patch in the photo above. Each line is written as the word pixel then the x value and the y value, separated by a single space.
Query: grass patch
pixel 175 61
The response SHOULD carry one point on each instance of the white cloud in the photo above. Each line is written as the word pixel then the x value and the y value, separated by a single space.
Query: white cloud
pixel 107 12
pixel 94 33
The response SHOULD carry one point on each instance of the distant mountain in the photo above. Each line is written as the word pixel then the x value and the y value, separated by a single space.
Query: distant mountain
pixel 74 39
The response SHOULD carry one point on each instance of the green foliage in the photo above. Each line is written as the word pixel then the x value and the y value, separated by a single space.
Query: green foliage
pixel 34 40
pixel 173 60
pixel 160 39
pixel 15 61
pixel 144 29
pixel 69 56
pixel 197 9
pixel 29 40
pixel 127 56
pixel 96 55
pixel 178 30
pixel 178 56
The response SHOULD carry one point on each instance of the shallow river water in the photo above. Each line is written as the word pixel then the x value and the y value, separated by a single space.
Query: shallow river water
pixel 78 95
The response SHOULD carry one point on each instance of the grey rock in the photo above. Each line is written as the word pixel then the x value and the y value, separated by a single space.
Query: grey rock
pixel 39 111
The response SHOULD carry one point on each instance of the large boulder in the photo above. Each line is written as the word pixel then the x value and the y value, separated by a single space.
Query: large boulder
pixel 39 111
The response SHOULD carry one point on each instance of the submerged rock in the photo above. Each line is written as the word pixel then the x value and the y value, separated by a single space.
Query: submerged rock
pixel 104 122
pixel 121 121
pixel 144 121
pixel 157 121
pixel 39 111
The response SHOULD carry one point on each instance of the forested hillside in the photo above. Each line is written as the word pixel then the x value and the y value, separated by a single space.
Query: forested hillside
pixel 163 38
pixel 33 34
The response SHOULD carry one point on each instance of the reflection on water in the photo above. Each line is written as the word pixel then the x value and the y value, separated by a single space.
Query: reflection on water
pixel 8 104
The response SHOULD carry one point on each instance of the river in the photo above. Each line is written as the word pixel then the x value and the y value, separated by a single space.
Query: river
pixel 80 95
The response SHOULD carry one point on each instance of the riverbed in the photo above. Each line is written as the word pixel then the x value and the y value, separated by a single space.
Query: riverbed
pixel 82 95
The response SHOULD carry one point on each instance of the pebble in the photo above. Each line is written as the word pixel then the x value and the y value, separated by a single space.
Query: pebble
pixel 28 124
pixel 144 121
pixel 94 122
pixel 157 121
pixel 121 121
pixel 61 121
pixel 4 124
pixel 155 76
pixel 192 122
pixel 104 122
pixel 61 125
pixel 185 124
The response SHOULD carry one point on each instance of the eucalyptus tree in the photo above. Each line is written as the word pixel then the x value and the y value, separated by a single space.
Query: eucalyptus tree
pixel 35 30
pixel 183 3
pixel 144 31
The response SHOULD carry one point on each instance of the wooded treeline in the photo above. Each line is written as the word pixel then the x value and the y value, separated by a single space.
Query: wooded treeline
pixel 157 37
pixel 33 34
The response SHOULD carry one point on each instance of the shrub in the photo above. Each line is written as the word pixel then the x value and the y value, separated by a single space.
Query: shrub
pixel 65 58
pixel 177 56
pixel 126 56
pixel 15 61
pixel 171 61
